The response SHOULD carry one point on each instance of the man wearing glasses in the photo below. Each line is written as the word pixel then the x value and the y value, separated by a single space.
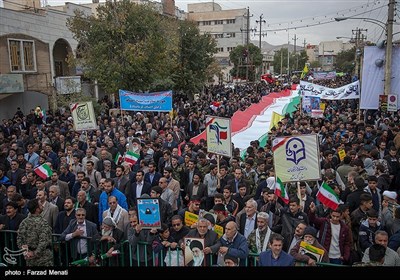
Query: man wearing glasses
pixel 81 234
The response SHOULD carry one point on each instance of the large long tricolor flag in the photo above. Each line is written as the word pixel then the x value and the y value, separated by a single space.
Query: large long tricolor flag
pixel 43 171
pixel 328 197
pixel 131 157
pixel 280 191
pixel 254 122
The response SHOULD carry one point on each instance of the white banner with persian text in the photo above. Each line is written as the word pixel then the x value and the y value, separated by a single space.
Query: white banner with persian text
pixel 350 91
pixel 219 136
pixel 83 115
pixel 296 158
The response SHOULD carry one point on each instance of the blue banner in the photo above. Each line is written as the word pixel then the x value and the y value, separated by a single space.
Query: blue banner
pixel 148 101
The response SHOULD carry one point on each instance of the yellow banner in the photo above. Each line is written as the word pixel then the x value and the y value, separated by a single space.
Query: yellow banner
pixel 219 230
pixel 342 154
pixel 190 218
pixel 311 251
pixel 275 119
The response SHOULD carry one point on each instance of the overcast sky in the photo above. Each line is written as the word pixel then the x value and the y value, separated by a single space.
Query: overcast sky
pixel 311 20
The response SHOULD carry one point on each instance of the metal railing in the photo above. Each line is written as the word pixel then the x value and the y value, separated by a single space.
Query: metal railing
pixel 65 255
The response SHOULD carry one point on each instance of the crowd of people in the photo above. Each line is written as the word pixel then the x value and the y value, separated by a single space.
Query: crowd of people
pixel 91 193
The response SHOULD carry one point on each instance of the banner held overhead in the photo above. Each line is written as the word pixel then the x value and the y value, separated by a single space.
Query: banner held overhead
pixel 219 136
pixel 296 158
pixel 146 101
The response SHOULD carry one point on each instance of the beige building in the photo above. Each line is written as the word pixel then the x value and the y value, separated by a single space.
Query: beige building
pixel 227 27
pixel 326 52
pixel 34 47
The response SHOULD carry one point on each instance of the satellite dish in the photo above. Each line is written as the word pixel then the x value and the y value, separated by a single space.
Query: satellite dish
pixel 379 63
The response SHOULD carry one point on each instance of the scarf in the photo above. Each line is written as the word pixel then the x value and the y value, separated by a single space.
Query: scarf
pixel 258 240
pixel 117 214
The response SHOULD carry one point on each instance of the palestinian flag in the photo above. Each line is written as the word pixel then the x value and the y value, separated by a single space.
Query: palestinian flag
pixel 328 197
pixel 131 157
pixel 43 171
pixel 280 191
pixel 118 158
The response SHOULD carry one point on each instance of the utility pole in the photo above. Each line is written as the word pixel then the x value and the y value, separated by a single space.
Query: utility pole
pixel 389 48
pixel 294 50
pixel 261 21
pixel 304 43
pixel 359 43
pixel 247 43
pixel 288 54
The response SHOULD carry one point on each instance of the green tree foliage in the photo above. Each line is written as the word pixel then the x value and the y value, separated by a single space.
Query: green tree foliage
pixel 133 47
pixel 345 61
pixel 194 58
pixel 296 62
pixel 243 59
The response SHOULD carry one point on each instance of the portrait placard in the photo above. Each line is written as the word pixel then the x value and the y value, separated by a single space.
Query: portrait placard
pixel 194 255
pixel 149 213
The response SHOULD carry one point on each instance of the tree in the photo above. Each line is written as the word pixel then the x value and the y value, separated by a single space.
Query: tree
pixel 245 59
pixel 133 47
pixel 345 61
pixel 194 58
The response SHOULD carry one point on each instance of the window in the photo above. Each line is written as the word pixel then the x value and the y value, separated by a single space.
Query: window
pixel 22 55
pixel 207 22
pixel 230 21
pixel 229 49
pixel 217 22
pixel 230 34
pixel 220 49
pixel 216 36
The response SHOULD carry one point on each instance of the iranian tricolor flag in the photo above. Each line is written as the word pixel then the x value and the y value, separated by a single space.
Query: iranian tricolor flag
pixel 118 158
pixel 281 191
pixel 131 157
pixel 328 197
pixel 43 171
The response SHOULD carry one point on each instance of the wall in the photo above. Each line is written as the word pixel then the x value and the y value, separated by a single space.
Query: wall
pixel 26 101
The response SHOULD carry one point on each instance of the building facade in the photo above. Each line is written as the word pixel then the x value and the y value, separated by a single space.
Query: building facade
pixel 35 43
pixel 227 27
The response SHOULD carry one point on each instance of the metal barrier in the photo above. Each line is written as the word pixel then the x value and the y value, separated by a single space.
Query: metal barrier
pixel 143 255
pixel 9 251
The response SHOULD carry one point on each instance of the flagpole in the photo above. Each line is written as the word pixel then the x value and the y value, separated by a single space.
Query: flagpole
pixel 218 178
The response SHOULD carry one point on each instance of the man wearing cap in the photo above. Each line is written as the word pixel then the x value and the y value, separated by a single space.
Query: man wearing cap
pixel 230 260
pixel 310 237
pixel 389 205
pixel 12 219
pixel 111 237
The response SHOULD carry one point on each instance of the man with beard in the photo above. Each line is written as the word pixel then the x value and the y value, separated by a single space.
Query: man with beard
pixel 111 238
pixel 65 217
pixel 197 251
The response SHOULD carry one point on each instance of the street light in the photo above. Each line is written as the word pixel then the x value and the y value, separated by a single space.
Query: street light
pixel 388 28
pixel 371 20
